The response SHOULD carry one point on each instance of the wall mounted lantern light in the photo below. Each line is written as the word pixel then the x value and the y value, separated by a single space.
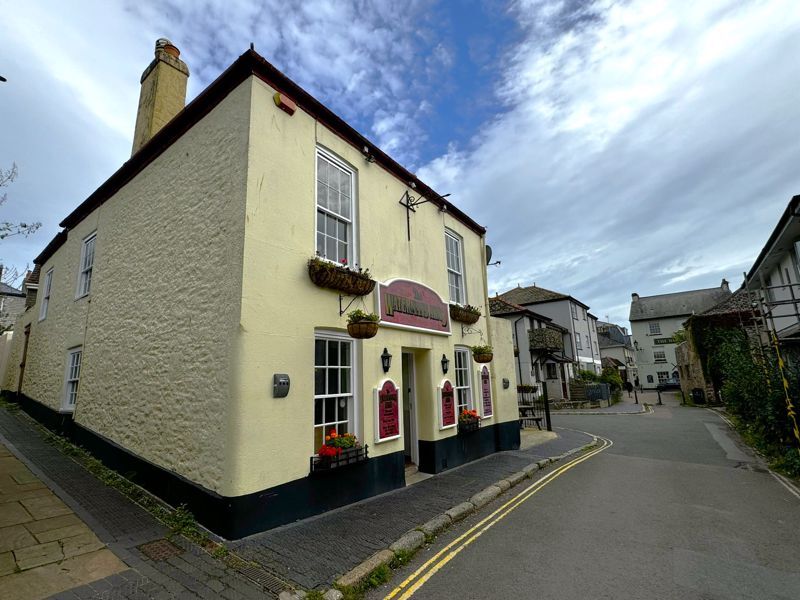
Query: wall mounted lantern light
pixel 445 364
pixel 386 360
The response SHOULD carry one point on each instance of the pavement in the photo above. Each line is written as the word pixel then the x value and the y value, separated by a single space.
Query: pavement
pixel 71 536
pixel 142 563
pixel 677 508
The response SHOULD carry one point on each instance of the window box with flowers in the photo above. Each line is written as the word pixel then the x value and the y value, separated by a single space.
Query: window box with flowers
pixel 350 280
pixel 466 314
pixel 338 451
pixel 468 421
pixel 482 354
pixel 362 325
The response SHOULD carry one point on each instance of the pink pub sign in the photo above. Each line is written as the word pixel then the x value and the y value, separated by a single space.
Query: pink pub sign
pixel 411 305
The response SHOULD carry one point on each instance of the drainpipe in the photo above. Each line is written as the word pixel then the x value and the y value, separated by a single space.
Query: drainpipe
pixel 516 342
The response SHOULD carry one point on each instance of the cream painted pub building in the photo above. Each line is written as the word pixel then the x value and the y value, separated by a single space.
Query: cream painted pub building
pixel 177 334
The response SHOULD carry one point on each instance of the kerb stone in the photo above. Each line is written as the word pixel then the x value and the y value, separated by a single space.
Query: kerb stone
pixel 515 478
pixel 409 542
pixel 485 496
pixel 358 574
pixel 436 525
pixel 460 511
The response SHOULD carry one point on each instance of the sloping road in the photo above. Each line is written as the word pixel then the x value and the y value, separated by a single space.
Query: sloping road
pixel 675 508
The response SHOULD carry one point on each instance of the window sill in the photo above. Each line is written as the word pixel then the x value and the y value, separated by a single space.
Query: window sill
pixel 82 297
pixel 66 411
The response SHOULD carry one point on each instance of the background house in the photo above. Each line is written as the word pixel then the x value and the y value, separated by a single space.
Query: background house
pixel 538 347
pixel 569 313
pixel 654 321
pixel 616 350
pixel 12 303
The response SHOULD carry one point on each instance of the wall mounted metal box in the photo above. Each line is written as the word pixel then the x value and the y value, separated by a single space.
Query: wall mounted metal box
pixel 280 385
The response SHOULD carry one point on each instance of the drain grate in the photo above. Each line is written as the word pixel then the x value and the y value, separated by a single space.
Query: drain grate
pixel 258 575
pixel 160 550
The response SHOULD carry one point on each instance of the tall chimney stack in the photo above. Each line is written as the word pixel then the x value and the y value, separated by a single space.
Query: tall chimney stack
pixel 163 93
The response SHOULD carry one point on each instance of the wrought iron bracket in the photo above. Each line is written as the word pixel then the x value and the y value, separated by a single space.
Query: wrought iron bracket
pixel 411 203
pixel 466 330
pixel 349 304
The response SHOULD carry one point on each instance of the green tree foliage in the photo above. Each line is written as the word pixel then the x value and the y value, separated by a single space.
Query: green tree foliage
pixel 612 377
pixel 752 390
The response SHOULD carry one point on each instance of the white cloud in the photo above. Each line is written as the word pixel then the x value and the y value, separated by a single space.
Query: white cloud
pixel 665 133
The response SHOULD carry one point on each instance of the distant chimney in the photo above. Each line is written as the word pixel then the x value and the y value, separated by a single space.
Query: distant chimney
pixel 163 93
pixel 634 297
pixel 725 285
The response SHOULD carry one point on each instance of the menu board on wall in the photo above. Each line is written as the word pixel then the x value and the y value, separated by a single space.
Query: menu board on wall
pixel 486 392
pixel 448 405
pixel 388 412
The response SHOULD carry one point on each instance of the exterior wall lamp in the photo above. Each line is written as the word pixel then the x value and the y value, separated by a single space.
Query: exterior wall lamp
pixel 386 360
pixel 445 364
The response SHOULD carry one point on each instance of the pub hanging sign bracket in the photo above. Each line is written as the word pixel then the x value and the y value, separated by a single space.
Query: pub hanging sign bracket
pixel 411 203
pixel 349 304
pixel 466 329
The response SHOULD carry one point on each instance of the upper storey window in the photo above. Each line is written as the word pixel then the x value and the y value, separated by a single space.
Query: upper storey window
pixel 87 263
pixel 455 267
pixel 335 185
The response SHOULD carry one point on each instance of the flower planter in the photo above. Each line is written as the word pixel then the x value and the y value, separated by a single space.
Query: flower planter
pixel 468 426
pixel 483 358
pixel 362 330
pixel 462 315
pixel 334 277
pixel 347 457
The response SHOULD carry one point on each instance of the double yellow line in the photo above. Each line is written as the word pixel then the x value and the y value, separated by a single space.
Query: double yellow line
pixel 417 579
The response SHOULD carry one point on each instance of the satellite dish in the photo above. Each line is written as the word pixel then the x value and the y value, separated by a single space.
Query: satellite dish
pixel 488 254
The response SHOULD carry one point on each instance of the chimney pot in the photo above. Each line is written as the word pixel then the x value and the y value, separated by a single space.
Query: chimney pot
pixel 168 47
pixel 724 285
pixel 635 297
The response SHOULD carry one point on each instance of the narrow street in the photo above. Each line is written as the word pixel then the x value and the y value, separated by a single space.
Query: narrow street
pixel 672 506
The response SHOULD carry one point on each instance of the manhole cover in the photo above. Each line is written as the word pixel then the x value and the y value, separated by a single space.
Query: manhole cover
pixel 160 550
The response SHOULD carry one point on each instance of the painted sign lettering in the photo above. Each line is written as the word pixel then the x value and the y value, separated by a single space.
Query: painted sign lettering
pixel 410 305
pixel 486 392
pixel 448 405
pixel 388 411
pixel 662 341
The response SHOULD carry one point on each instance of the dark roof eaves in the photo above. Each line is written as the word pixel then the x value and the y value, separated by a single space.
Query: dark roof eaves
pixel 251 63
pixel 54 244
pixel 788 213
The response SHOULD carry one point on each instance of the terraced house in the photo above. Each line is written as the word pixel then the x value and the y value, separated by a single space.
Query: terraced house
pixel 191 321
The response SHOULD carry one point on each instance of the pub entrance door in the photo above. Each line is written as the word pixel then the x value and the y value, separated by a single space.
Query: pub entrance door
pixel 410 444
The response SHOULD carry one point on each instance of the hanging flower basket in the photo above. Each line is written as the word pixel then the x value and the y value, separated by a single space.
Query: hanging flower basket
pixel 482 354
pixel 465 314
pixel 362 325
pixel 350 281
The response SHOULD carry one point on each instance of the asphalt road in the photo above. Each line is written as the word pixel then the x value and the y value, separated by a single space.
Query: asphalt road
pixel 677 507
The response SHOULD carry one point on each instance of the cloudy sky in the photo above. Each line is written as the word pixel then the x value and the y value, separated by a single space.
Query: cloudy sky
pixel 609 147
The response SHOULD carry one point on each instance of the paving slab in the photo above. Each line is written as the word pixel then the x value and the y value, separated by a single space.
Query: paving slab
pixel 43 507
pixel 7 563
pixel 13 513
pixel 38 555
pixel 15 536
pixel 62 533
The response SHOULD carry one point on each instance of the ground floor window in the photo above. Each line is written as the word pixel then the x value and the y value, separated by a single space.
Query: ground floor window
pixel 333 387
pixel 649 379
pixel 663 376
pixel 551 371
pixel 72 377
pixel 463 380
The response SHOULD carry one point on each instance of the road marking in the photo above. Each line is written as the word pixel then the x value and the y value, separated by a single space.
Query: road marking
pixel 791 487
pixel 418 578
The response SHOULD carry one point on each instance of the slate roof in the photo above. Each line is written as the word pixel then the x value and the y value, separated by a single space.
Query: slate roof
pixel 605 341
pixel 499 307
pixel 678 304
pixel 738 302
pixel 7 290
pixel 534 295
pixel 610 361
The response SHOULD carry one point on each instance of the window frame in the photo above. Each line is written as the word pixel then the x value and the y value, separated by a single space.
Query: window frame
pixel 66 405
pixel 574 310
pixel 46 289
pixel 449 233
pixel 664 379
pixel 656 358
pixel 352 244
pixel 470 404
pixel 85 274
pixel 578 345
pixel 352 423
pixel 654 327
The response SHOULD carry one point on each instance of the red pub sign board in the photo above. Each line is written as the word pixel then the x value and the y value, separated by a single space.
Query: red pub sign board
pixel 411 305
pixel 388 413
pixel 448 404
pixel 486 392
